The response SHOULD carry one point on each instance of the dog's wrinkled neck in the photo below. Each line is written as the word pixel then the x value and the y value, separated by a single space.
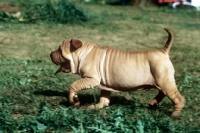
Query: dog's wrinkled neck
pixel 84 53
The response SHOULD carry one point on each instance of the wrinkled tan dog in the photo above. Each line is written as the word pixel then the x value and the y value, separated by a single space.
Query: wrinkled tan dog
pixel 117 70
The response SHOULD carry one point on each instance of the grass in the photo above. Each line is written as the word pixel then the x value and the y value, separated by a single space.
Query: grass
pixel 32 99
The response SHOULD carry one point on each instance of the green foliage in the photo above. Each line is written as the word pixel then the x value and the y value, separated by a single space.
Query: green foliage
pixel 60 11
pixel 24 109
pixel 80 121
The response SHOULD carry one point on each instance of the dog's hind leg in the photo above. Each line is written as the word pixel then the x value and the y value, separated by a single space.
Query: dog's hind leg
pixel 168 87
pixel 175 96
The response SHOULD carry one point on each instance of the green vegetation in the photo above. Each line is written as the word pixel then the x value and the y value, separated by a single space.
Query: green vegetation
pixel 33 99
pixel 60 11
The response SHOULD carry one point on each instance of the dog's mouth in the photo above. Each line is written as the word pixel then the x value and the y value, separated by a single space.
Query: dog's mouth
pixel 64 67
pixel 58 59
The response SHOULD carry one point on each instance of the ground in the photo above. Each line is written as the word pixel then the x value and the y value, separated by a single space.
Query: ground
pixel 34 99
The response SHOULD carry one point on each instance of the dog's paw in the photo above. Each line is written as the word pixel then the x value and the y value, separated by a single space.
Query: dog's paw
pixel 76 102
pixel 91 106
pixel 153 103
pixel 97 106
pixel 175 114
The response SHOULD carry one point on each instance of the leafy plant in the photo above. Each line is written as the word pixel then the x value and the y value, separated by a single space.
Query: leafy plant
pixel 60 11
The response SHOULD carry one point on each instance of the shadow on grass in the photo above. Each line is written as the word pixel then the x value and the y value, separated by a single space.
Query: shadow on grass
pixel 88 99
pixel 83 98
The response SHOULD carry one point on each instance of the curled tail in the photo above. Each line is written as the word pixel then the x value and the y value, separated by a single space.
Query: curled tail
pixel 169 41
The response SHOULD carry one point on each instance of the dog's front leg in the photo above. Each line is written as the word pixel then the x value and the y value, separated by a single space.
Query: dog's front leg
pixel 81 84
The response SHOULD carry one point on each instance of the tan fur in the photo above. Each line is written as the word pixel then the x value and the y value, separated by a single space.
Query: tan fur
pixel 117 70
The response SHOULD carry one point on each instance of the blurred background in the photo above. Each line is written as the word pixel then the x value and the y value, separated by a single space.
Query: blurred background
pixel 62 10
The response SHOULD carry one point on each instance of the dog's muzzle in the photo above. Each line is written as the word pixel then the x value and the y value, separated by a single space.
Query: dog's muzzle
pixel 58 59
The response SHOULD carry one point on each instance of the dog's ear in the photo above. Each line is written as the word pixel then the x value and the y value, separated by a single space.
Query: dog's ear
pixel 71 45
pixel 76 43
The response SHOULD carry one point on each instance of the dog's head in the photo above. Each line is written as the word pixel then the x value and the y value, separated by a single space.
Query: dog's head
pixel 64 56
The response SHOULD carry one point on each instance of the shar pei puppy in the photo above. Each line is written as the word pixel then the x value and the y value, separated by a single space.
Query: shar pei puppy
pixel 119 71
